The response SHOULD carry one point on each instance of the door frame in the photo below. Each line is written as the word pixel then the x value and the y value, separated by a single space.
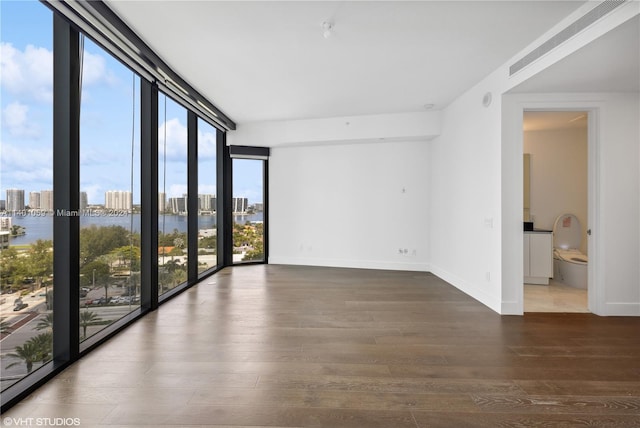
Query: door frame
pixel 514 106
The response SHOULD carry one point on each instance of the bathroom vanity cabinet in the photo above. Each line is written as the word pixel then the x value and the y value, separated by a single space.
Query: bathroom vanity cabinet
pixel 538 257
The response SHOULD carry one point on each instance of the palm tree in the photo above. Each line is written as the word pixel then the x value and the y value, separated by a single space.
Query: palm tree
pixel 5 327
pixel 44 342
pixel 46 322
pixel 29 353
pixel 86 318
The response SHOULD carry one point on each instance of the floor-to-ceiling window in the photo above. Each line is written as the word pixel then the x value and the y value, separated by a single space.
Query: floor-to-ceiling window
pixel 247 207
pixel 26 190
pixel 207 199
pixel 116 136
pixel 109 190
pixel 172 199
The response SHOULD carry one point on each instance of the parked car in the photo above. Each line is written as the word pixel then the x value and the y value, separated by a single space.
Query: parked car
pixel 20 306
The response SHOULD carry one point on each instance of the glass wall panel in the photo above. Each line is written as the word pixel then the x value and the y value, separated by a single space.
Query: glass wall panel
pixel 109 190
pixel 26 195
pixel 172 197
pixel 207 239
pixel 248 210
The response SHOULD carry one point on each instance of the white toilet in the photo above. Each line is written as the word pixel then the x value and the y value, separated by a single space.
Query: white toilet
pixel 569 264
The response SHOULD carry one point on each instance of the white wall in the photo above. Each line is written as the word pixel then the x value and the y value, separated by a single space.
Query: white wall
pixel 619 201
pixel 351 205
pixel 464 173
pixel 558 176
pixel 343 205
pixel 614 211
pixel 476 181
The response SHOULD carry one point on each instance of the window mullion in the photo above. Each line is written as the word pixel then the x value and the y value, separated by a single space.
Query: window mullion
pixel 149 196
pixel 192 197
pixel 66 190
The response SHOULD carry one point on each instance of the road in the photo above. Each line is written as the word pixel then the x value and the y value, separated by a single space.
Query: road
pixel 24 324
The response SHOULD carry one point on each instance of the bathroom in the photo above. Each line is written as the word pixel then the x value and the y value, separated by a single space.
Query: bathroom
pixel 556 160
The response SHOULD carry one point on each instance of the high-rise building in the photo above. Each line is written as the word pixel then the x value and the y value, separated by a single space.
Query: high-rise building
pixel 178 205
pixel 84 201
pixel 240 205
pixel 15 199
pixel 207 202
pixel 3 205
pixel 34 200
pixel 5 223
pixel 46 200
pixel 4 239
pixel 162 202
pixel 118 200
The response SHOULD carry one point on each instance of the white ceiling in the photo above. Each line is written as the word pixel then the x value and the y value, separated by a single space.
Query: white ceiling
pixel 267 60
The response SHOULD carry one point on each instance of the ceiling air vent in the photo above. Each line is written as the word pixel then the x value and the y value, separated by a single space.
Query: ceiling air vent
pixel 589 18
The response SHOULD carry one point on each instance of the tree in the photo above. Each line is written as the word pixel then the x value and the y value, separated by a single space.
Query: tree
pixel 87 318
pixel 49 299
pixel 172 266
pixel 36 349
pixel 44 343
pixel 13 268
pixel 96 272
pixel 168 239
pixel 175 251
pixel 29 353
pixel 256 253
pixel 40 260
pixel 102 271
pixel 17 230
pixel 45 322
pixel 5 326
pixel 97 241
pixel 128 256
pixel 210 242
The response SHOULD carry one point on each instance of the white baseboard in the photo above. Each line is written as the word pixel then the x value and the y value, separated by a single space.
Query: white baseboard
pixel 468 288
pixel 512 308
pixel 619 309
pixel 358 264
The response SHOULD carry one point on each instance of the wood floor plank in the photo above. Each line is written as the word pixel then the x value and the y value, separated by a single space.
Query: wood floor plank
pixel 384 384
pixel 567 371
pixel 490 420
pixel 333 399
pixel 268 416
pixel 559 404
pixel 580 387
pixel 295 346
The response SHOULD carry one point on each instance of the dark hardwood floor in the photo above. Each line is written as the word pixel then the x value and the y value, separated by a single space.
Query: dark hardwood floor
pixel 285 346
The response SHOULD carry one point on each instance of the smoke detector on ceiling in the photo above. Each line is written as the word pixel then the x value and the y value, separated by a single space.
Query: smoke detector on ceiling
pixel 327 27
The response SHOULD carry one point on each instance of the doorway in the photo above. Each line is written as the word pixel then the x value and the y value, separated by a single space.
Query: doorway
pixel 556 206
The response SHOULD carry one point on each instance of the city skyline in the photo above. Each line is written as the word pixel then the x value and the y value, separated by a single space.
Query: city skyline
pixel 122 200
pixel 109 146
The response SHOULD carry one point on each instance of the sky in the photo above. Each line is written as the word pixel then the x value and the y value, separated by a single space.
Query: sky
pixel 109 124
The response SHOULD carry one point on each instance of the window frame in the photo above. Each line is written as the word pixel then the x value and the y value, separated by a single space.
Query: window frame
pixel 92 19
